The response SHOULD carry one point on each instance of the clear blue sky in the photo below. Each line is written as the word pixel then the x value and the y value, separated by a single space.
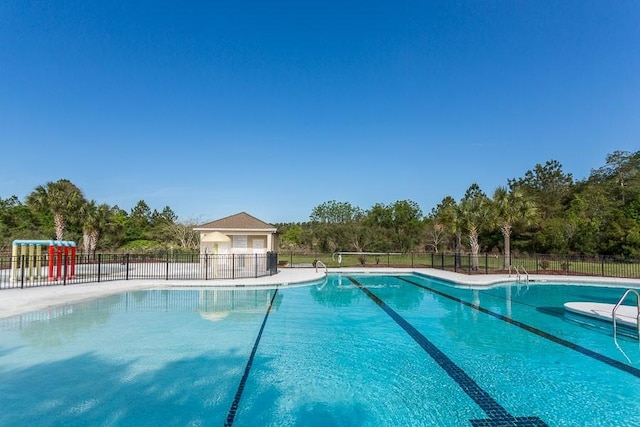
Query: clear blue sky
pixel 274 107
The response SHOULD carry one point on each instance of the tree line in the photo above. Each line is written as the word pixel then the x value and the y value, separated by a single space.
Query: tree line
pixel 544 211
pixel 59 210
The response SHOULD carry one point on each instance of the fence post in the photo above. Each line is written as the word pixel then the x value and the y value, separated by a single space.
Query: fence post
pixel 127 267
pixel 64 274
pixel 22 267
pixel 535 259
pixel 273 268
pixel 166 273
pixel 99 264
pixel 486 263
pixel 602 266
pixel 206 266
pixel 34 263
pixel 274 263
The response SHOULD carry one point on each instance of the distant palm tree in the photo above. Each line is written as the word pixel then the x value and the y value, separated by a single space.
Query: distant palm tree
pixel 448 214
pixel 475 213
pixel 61 198
pixel 88 213
pixel 102 221
pixel 94 220
pixel 510 208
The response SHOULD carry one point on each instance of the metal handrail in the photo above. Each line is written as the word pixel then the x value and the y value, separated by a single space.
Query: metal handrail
pixel 613 312
pixel 517 269
pixel 326 270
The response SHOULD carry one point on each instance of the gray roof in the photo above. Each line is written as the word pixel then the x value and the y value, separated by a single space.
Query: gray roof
pixel 239 221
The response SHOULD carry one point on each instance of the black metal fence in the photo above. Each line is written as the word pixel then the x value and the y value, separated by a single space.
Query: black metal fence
pixel 571 265
pixel 30 271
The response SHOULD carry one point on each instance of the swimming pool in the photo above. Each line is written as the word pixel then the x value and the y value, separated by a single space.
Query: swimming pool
pixel 354 350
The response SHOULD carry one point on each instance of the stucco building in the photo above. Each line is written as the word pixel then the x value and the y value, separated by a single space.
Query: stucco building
pixel 237 234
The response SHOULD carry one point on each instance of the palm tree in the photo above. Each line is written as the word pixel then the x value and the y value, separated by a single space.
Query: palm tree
pixel 447 213
pixel 95 221
pixel 510 208
pixel 61 198
pixel 102 221
pixel 88 213
pixel 474 210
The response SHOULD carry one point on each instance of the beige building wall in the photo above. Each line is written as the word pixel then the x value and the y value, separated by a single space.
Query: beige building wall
pixel 246 233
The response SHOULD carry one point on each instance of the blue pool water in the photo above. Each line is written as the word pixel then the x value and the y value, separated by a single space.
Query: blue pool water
pixel 354 350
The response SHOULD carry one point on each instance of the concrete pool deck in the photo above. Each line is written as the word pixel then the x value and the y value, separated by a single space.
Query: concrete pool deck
pixel 17 301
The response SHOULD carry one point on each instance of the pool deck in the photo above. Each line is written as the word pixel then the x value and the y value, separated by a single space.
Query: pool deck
pixel 17 301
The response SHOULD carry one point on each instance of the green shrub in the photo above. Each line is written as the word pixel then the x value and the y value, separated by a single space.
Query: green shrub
pixel 143 246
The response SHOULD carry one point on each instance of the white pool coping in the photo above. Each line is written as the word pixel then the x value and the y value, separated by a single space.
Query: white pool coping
pixel 625 315
pixel 17 301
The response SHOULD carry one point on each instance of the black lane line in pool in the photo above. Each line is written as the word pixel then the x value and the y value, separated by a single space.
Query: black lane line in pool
pixel 573 346
pixel 236 400
pixel 498 416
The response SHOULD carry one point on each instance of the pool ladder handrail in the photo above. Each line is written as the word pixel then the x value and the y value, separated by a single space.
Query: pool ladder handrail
pixel 518 279
pixel 322 264
pixel 613 312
